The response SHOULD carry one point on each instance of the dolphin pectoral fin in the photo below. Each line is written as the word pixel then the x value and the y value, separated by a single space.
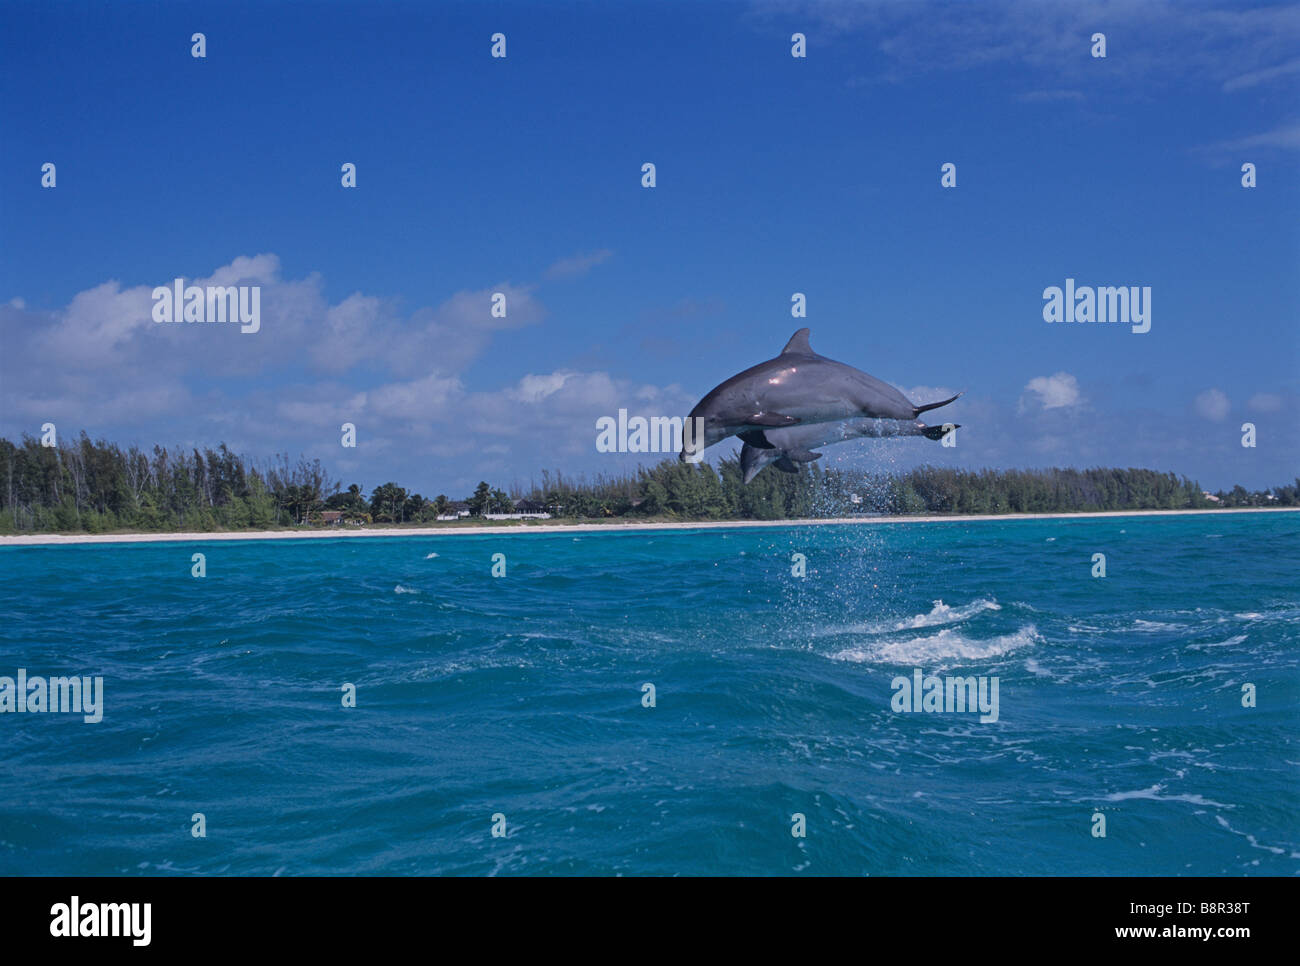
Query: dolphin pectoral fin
pixel 786 465
pixel 771 419
pixel 937 432
pixel 803 455
pixel 917 410
pixel 798 344
pixel 755 438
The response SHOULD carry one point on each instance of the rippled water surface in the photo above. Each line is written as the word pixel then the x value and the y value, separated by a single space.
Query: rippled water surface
pixel 523 696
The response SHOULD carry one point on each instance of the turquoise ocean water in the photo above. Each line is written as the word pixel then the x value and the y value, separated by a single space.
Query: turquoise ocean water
pixel 522 697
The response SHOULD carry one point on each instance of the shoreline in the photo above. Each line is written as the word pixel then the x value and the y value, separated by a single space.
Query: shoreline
pixel 340 533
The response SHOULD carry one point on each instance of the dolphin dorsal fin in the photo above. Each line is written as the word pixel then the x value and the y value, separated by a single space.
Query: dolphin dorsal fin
pixel 799 344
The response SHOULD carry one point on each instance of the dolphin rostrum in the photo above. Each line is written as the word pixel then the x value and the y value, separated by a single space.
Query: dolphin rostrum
pixel 794 444
pixel 796 387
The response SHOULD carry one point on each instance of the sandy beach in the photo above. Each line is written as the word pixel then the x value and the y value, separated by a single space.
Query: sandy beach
pixel 346 533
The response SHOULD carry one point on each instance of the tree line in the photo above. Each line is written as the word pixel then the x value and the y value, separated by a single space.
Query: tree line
pixel 96 486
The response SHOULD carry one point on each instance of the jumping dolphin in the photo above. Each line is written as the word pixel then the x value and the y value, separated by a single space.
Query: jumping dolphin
pixel 797 387
pixel 794 444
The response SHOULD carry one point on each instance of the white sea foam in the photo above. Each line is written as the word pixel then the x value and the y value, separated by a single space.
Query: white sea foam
pixel 430 556
pixel 1230 642
pixel 947 645
pixel 941 613
pixel 1153 793
pixel 1152 627
pixel 400 589
pixel 1084 629
pixel 938 615
pixel 1276 850
pixel 1033 667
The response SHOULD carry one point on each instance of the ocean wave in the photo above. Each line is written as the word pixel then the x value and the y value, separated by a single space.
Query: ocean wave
pixel 402 589
pixel 948 644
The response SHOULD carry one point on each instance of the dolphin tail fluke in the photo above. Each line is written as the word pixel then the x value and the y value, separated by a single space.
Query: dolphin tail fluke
pixel 937 432
pixel 917 410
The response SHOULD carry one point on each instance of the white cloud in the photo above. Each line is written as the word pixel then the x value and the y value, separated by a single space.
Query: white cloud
pixel 474 309
pixel 245 270
pixel 324 407
pixel 97 325
pixel 1265 402
pixel 1059 391
pixel 349 333
pixel 420 399
pixel 534 388
pixel 102 364
pixel 1213 404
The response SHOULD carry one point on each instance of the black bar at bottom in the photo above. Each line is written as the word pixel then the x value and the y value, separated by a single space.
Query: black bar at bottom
pixel 338 916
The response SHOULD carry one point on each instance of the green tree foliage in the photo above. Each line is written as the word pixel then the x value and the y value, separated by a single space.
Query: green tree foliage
pixel 94 486
pixel 388 504
pixel 480 501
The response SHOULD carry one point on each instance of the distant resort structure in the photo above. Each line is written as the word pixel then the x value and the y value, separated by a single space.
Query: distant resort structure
pixel 522 510
pixel 455 510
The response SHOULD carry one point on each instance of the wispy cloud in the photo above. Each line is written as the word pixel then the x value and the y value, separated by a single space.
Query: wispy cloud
pixel 1049 97
pixel 1221 43
pixel 1284 137
pixel 1257 77
pixel 1213 404
pixel 576 266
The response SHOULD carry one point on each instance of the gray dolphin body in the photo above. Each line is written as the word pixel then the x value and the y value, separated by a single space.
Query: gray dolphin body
pixel 794 444
pixel 797 387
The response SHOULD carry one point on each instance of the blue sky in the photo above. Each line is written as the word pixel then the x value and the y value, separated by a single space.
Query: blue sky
pixel 775 175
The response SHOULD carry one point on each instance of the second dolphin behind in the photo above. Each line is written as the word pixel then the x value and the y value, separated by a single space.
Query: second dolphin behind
pixel 794 444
